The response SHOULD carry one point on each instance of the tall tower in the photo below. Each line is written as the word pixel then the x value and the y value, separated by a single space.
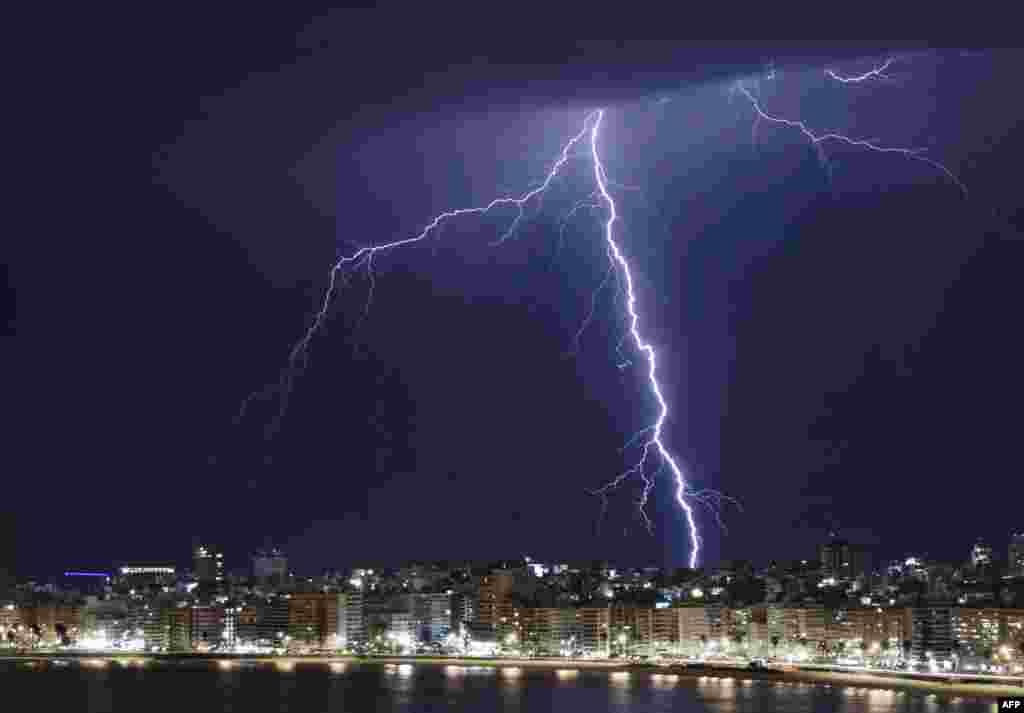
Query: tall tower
pixel 208 563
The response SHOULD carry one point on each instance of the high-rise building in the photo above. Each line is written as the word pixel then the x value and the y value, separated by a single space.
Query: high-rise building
pixel 207 627
pixel 932 634
pixel 400 627
pixel 979 629
pixel 51 618
pixel 593 625
pixel 806 623
pixel 632 628
pixel 270 566
pixel 694 626
pixel 548 630
pixel 144 573
pixel 167 626
pixel 432 616
pixel 842 559
pixel 495 589
pixel 208 563
pixel 1015 560
pixel 981 554
pixel 313 619
pixel 351 619
pixel 264 623
pixel 667 633
pixel 177 625
pixel 464 608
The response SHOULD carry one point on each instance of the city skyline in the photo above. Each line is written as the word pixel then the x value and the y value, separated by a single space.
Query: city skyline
pixel 834 553
pixel 836 610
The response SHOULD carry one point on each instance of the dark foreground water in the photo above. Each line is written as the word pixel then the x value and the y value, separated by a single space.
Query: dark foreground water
pixel 157 688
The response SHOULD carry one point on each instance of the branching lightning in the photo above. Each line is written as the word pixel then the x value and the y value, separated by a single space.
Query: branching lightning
pixel 618 269
pixel 656 440
pixel 876 73
pixel 817 140
pixel 363 258
pixel 654 456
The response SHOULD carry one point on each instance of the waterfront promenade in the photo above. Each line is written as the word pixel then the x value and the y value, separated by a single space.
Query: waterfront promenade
pixel 803 674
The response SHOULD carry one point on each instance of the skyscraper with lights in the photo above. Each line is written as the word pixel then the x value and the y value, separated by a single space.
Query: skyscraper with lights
pixel 208 563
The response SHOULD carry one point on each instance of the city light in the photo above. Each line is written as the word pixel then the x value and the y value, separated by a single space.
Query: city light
pixel 147 570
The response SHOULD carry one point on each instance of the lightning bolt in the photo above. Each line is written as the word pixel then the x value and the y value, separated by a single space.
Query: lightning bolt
pixel 619 269
pixel 656 440
pixel 876 73
pixel 651 438
pixel 818 140
pixel 363 258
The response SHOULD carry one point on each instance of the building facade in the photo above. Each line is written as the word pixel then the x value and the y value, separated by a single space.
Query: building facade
pixel 313 620
pixel 593 625
pixel 932 634
pixel 495 589
pixel 432 616
pixel 351 619
pixel 263 623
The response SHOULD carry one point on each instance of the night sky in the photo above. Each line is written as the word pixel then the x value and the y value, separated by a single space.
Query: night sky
pixel 841 348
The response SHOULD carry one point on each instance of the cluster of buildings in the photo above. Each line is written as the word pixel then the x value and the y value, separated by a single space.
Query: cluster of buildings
pixel 839 607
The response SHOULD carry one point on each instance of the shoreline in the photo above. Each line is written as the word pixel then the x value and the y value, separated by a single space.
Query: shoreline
pixel 563 667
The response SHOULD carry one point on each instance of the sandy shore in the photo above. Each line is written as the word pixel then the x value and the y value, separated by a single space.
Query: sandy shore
pixel 564 667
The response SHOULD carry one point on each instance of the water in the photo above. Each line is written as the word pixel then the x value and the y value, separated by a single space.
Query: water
pixel 319 687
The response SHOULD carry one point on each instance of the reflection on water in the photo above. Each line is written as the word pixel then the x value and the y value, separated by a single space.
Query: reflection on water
pixel 258 686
